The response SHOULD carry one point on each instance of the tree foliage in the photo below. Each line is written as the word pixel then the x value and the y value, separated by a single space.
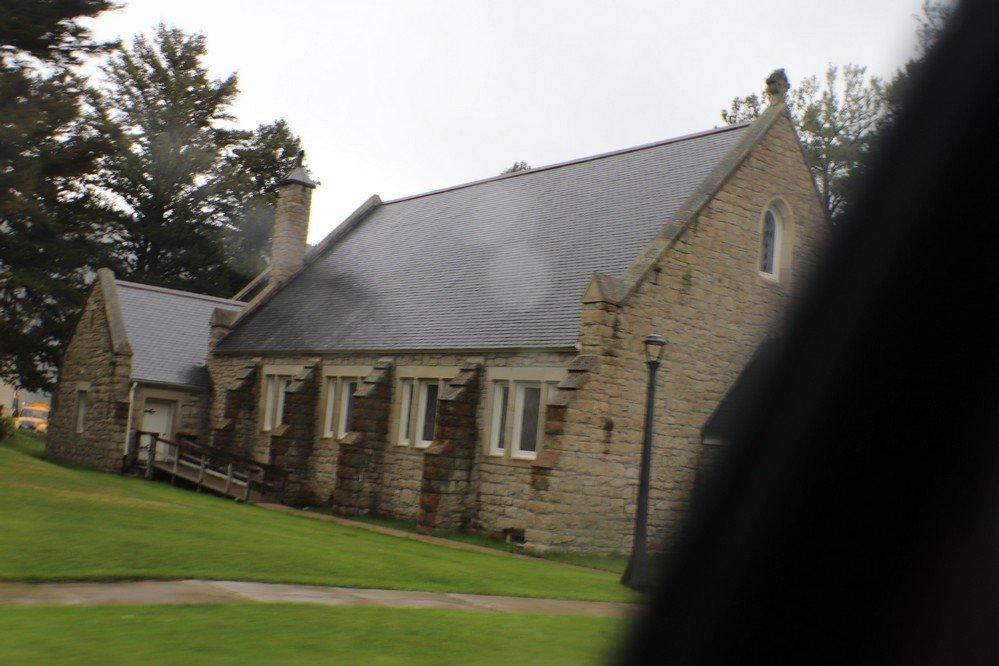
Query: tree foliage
pixel 833 118
pixel 48 218
pixel 516 167
pixel 182 178
pixel 49 30
pixel 842 118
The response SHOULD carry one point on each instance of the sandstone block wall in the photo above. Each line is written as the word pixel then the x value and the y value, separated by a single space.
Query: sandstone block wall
pixel 90 360
pixel 708 300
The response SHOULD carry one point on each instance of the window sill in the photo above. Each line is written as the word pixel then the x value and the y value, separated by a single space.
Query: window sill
pixel 422 445
pixel 768 277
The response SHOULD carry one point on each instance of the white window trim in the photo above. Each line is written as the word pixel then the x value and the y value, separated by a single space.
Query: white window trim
pixel 329 406
pixel 284 374
pixel 346 395
pixel 421 410
pixel 497 424
pixel 512 377
pixel 334 385
pixel 773 276
pixel 414 375
pixel 518 415
pixel 405 434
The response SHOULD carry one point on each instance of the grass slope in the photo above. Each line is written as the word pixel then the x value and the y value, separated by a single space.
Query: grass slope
pixel 64 523
pixel 278 633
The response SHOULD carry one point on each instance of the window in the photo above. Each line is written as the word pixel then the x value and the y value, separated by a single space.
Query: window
pixel 770 244
pixel 81 411
pixel 419 391
pixel 405 412
pixel 501 403
pixel 527 420
pixel 426 424
pixel 275 387
pixel 329 411
pixel 517 419
pixel 348 386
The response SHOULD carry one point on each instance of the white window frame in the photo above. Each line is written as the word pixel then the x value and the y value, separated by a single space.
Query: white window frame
pixel 330 386
pixel 334 395
pixel 346 398
pixel 500 418
pixel 520 389
pixel 406 433
pixel 275 380
pixel 514 379
pixel 275 386
pixel 423 390
pixel 417 378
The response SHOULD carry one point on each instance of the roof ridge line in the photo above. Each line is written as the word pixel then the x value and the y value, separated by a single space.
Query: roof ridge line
pixel 577 160
pixel 178 292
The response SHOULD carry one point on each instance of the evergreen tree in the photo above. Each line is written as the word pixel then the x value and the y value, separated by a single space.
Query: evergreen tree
pixel 175 180
pixel 252 170
pixel 49 222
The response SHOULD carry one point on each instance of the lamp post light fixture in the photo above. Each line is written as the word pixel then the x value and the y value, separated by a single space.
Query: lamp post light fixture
pixel 636 576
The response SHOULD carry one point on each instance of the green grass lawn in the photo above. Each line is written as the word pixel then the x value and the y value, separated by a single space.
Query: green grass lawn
pixel 64 523
pixel 277 633
pixel 613 563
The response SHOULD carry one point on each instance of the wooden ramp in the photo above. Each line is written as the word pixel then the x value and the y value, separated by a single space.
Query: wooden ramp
pixel 205 468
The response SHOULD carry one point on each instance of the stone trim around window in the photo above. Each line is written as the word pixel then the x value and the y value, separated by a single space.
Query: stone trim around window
pixel 412 389
pixel 503 436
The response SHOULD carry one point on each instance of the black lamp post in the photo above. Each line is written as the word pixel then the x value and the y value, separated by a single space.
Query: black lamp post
pixel 636 576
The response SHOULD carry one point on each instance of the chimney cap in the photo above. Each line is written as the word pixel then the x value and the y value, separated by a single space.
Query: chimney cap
pixel 299 175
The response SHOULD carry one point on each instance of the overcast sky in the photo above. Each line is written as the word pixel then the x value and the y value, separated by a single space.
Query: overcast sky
pixel 399 97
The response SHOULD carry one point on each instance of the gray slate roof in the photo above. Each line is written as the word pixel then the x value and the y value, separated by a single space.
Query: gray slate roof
pixel 168 331
pixel 500 263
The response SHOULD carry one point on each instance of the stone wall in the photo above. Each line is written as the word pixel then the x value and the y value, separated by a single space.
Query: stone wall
pixel 446 498
pixel 359 467
pixel 100 365
pixel 291 442
pixel 706 297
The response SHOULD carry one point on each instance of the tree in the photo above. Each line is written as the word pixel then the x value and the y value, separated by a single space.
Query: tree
pixel 48 219
pixel 49 30
pixel 841 121
pixel 253 169
pixel 516 167
pixel 833 119
pixel 176 182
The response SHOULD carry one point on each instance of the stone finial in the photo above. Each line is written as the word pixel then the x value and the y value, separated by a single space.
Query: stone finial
pixel 777 86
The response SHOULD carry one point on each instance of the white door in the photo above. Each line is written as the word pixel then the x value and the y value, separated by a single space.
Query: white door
pixel 157 416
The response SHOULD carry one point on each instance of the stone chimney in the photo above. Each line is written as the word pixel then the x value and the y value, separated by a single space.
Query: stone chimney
pixel 777 86
pixel 291 222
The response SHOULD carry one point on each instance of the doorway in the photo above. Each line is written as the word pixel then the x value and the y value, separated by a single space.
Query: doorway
pixel 158 416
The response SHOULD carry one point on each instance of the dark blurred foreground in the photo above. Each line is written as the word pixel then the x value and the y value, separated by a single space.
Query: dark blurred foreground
pixel 857 519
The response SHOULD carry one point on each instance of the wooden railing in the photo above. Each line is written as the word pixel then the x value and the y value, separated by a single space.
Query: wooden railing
pixel 205 466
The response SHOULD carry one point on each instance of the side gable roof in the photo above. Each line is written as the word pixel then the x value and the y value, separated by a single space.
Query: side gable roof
pixel 498 263
pixel 168 331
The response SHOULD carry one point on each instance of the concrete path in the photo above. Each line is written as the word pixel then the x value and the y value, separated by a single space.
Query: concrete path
pixel 230 592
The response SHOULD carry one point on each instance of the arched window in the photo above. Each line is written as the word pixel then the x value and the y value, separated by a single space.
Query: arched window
pixel 770 244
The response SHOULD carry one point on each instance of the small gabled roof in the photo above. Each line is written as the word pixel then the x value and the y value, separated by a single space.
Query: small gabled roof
pixel 499 263
pixel 168 332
